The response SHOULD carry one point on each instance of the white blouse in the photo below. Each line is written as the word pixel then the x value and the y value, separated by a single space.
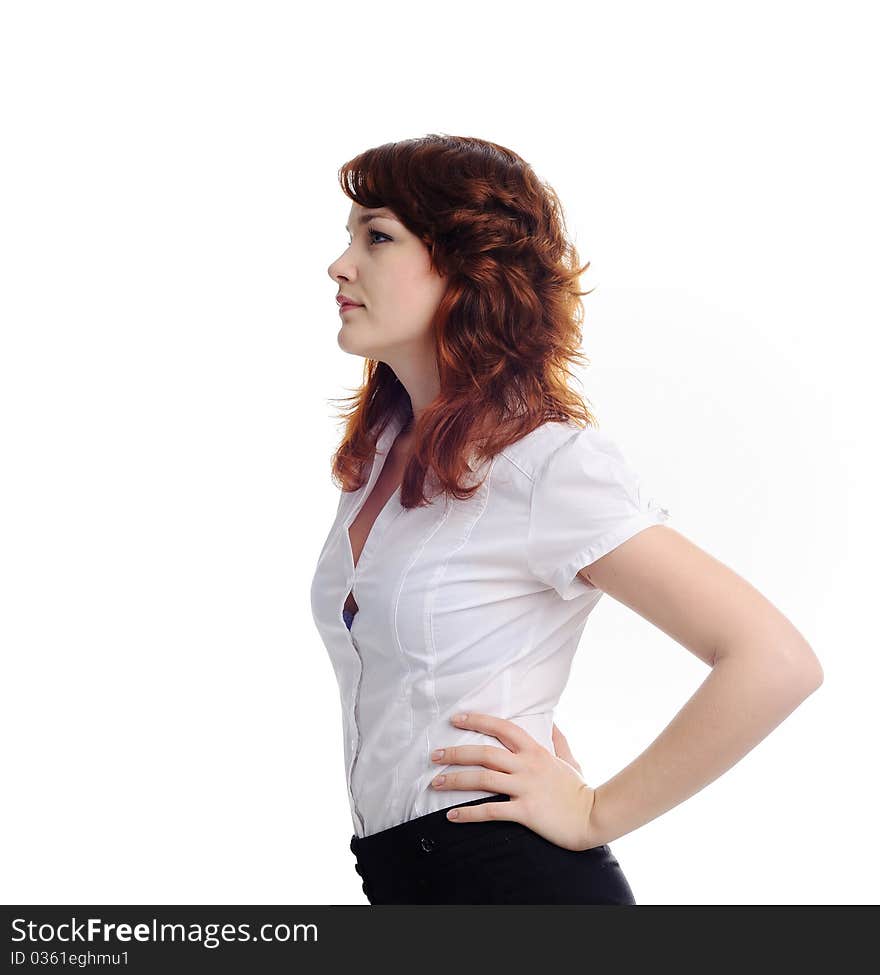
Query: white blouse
pixel 469 605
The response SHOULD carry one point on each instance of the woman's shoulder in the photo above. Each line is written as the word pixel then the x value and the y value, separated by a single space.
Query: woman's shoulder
pixel 532 451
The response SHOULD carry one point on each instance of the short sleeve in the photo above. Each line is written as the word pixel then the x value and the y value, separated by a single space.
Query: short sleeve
pixel 586 500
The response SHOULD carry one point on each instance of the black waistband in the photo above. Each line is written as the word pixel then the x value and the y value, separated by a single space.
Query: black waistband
pixel 427 829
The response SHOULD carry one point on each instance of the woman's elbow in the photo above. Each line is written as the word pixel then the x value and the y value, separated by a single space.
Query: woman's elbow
pixel 791 667
pixel 805 667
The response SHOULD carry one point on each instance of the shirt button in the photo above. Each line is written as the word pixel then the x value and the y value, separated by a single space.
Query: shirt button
pixel 427 844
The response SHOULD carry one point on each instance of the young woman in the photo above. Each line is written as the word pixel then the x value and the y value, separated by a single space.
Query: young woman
pixel 481 517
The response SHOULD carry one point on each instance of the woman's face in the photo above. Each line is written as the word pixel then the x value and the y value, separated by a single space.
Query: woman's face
pixel 387 270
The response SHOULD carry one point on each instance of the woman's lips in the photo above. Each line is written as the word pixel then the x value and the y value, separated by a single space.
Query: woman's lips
pixel 347 307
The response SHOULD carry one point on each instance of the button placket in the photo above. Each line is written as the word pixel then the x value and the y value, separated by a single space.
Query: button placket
pixel 357 738
pixel 360 498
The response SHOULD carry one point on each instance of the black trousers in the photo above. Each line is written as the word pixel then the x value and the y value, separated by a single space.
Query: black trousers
pixel 431 860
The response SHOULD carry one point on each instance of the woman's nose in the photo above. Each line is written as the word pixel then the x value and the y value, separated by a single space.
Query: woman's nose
pixel 340 269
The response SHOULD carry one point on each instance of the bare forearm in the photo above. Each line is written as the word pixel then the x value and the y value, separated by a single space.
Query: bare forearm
pixel 740 702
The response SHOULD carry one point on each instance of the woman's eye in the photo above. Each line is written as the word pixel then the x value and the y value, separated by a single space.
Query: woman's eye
pixel 372 233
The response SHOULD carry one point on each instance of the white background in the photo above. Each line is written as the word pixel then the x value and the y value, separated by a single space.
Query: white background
pixel 170 207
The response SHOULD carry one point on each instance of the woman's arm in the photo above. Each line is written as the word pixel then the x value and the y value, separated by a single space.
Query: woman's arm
pixel 762 669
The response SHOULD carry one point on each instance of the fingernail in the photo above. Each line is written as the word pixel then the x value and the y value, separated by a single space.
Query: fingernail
pixel 438 753
pixel 440 780
pixel 459 717
pixel 452 814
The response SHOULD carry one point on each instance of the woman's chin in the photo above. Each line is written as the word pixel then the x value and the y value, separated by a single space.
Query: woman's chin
pixel 343 340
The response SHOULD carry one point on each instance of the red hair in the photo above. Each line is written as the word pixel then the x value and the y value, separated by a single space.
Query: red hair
pixel 508 326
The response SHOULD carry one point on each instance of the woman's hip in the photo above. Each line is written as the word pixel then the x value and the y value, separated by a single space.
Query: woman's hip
pixel 432 860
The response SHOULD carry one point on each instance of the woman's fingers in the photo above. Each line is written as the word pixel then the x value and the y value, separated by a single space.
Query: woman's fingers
pixel 507 810
pixel 509 734
pixel 489 755
pixel 484 779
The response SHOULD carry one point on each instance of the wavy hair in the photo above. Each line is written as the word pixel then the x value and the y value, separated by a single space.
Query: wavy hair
pixel 506 331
